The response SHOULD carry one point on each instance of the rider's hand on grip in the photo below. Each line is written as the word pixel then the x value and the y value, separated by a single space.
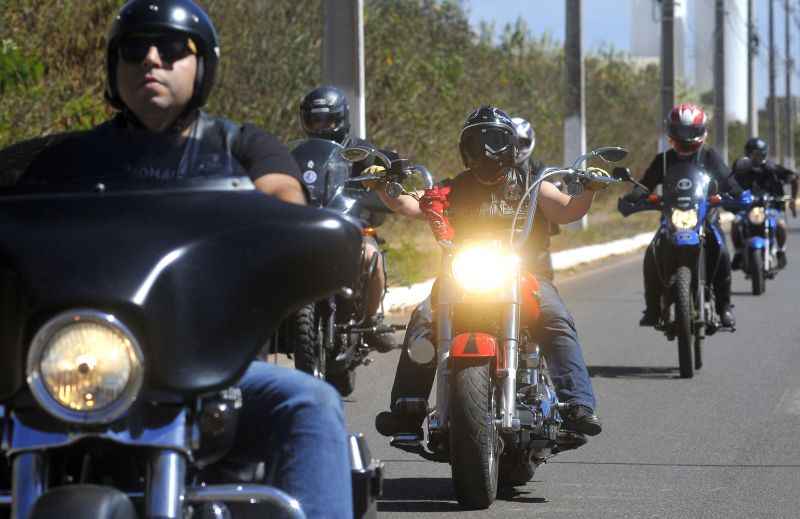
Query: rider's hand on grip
pixel 602 182
pixel 378 171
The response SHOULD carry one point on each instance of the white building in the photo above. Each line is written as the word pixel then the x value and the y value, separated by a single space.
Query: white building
pixel 735 53
pixel 646 32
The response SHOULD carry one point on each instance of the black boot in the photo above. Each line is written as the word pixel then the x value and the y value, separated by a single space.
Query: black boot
pixel 781 259
pixel 381 338
pixel 581 419
pixel 650 317
pixel 736 264
pixel 726 316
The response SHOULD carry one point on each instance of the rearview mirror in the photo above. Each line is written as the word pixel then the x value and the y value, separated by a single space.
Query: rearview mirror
pixel 356 153
pixel 620 173
pixel 611 153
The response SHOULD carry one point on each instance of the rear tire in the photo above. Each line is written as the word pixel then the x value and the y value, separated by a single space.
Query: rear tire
pixel 309 350
pixel 757 272
pixel 684 311
pixel 475 444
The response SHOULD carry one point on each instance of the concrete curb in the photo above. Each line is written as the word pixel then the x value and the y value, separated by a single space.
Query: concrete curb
pixel 401 297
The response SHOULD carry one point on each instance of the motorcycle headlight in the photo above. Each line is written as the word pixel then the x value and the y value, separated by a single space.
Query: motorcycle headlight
pixel 483 268
pixel 757 215
pixel 684 219
pixel 85 367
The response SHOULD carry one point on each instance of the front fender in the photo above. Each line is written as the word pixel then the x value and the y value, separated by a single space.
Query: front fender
pixel 756 242
pixel 474 345
pixel 83 501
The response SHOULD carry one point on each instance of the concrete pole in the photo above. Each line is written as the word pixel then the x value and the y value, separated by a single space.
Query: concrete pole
pixel 720 115
pixel 343 57
pixel 667 66
pixel 752 50
pixel 788 147
pixel 772 102
pixel 575 122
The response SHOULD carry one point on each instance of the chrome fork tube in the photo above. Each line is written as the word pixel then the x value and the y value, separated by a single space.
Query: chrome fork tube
pixel 444 338
pixel 29 474
pixel 510 342
pixel 166 480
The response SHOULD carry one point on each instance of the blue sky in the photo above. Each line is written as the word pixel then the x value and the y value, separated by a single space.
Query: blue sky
pixel 607 23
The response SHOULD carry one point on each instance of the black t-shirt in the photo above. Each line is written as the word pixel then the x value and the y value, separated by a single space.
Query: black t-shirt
pixel 769 177
pixel 119 151
pixel 477 209
pixel 708 158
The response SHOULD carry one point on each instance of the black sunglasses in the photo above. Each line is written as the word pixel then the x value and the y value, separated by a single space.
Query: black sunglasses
pixel 171 48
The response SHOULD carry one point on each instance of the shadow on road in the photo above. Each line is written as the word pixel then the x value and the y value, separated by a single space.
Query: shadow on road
pixel 741 292
pixel 633 372
pixel 418 495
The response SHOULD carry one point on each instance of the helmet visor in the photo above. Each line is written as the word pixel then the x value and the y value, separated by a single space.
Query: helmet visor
pixel 488 141
pixel 321 120
pixel 681 132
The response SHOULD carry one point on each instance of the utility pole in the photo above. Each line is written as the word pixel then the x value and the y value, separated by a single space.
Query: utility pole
pixel 788 150
pixel 752 50
pixel 720 115
pixel 772 103
pixel 667 64
pixel 575 122
pixel 343 56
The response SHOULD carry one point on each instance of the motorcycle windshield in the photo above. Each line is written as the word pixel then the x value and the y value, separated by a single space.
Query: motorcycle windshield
pixel 324 170
pixel 201 276
pixel 685 185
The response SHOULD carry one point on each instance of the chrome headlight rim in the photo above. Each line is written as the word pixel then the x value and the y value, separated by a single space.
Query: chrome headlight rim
pixel 684 219
pixel 757 215
pixel 42 394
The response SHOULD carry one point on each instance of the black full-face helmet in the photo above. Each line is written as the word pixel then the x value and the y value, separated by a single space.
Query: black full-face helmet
pixel 488 143
pixel 325 114
pixel 757 149
pixel 165 16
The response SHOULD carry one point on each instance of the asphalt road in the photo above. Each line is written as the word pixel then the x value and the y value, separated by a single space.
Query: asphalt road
pixel 724 444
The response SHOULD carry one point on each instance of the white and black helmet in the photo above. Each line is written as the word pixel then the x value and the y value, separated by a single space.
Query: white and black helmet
pixel 526 137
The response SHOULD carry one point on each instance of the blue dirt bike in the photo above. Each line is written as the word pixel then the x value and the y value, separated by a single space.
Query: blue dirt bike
pixel 758 224
pixel 685 267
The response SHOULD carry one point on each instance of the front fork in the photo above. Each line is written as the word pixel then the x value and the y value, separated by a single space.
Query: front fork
pixel 164 495
pixel 509 342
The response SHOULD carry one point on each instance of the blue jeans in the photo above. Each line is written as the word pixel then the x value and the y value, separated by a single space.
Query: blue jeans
pixel 296 422
pixel 555 333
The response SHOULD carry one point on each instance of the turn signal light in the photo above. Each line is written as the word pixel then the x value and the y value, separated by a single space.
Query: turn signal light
pixel 654 199
pixel 369 231
pixel 715 200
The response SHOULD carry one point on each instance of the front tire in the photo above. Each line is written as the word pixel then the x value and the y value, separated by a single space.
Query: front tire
pixel 306 334
pixel 757 272
pixel 475 445
pixel 682 297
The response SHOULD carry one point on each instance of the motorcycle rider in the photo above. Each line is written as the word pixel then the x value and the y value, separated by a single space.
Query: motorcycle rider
pixel 761 175
pixel 687 131
pixel 162 56
pixel 489 178
pixel 325 114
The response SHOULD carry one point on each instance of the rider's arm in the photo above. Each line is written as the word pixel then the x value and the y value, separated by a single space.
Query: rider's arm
pixel 403 204
pixel 281 186
pixel 715 164
pixel 269 164
pixel 561 208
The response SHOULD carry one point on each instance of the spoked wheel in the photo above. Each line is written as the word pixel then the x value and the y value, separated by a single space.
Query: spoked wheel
pixel 306 334
pixel 475 443
pixel 682 297
pixel 757 272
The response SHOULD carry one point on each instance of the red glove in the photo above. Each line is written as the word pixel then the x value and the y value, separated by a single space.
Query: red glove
pixel 433 205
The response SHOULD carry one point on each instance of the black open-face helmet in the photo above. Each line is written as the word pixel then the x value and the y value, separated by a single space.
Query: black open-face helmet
pixel 488 143
pixel 163 16
pixel 757 149
pixel 325 114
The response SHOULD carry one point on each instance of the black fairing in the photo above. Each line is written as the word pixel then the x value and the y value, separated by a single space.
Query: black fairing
pixel 685 184
pixel 324 169
pixel 201 277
